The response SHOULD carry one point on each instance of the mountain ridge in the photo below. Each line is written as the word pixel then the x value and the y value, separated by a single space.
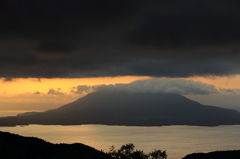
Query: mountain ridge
pixel 20 147
pixel 131 109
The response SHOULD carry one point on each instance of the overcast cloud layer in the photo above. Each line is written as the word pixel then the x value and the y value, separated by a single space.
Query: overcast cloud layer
pixel 92 38
pixel 172 86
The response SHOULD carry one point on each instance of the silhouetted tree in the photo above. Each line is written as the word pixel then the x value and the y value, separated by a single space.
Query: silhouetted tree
pixel 127 152
pixel 158 154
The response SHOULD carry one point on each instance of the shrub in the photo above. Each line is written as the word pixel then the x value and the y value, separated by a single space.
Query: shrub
pixel 127 152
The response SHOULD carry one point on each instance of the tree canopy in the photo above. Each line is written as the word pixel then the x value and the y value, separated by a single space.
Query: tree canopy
pixel 127 151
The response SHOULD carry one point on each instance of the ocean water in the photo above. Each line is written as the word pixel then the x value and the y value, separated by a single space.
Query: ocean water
pixel 178 141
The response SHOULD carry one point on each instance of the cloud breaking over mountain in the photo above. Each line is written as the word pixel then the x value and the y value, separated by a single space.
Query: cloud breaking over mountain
pixel 91 38
pixel 170 86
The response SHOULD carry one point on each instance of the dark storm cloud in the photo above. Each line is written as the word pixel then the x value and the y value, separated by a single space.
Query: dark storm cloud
pixel 54 47
pixel 91 38
pixel 7 79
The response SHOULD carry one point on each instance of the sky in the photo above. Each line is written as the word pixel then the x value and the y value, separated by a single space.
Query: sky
pixel 53 52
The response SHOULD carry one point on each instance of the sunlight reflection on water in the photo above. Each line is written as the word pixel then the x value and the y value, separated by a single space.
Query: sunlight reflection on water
pixel 178 141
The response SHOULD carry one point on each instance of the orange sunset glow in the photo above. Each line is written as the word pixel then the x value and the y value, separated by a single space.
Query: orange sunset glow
pixel 43 85
pixel 20 91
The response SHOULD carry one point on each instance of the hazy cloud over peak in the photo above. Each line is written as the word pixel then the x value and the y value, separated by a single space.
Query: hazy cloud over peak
pixel 92 38
pixel 83 89
pixel 37 93
pixel 55 92
pixel 173 86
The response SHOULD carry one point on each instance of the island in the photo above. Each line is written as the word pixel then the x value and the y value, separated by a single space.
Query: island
pixel 130 109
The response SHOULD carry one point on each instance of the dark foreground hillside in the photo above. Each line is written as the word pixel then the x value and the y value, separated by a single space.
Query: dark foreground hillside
pixel 215 155
pixel 14 146
pixel 18 147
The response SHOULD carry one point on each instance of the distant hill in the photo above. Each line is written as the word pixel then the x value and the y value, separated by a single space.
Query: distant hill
pixel 215 155
pixel 18 147
pixel 133 109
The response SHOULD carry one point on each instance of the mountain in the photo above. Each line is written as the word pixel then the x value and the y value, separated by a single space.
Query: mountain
pixel 132 109
pixel 19 147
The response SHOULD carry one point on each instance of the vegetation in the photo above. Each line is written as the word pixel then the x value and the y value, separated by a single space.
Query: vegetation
pixel 14 146
pixel 127 152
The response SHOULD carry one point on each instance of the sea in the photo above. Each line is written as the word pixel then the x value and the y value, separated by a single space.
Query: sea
pixel 178 141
